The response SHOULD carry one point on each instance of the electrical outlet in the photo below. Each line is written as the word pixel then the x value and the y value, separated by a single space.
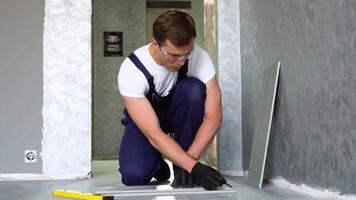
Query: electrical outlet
pixel 30 156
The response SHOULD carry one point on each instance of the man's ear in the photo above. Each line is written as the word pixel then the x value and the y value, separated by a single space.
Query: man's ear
pixel 155 42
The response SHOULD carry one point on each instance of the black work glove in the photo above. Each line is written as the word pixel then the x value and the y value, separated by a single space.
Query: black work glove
pixel 207 176
pixel 182 179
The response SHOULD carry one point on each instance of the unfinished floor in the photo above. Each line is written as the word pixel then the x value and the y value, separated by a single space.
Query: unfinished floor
pixel 105 176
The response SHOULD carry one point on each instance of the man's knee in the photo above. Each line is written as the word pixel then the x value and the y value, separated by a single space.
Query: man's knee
pixel 192 89
pixel 137 174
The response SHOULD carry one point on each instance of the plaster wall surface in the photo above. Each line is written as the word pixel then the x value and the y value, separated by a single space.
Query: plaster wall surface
pixel 229 66
pixel 128 17
pixel 66 142
pixel 313 138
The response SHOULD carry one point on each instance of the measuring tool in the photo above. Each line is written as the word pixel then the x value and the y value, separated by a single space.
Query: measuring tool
pixel 81 195
pixel 109 195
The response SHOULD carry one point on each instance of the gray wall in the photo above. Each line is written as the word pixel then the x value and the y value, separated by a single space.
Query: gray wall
pixel 112 15
pixel 314 131
pixel 21 79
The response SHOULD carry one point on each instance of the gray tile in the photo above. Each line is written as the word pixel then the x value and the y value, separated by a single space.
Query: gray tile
pixel 263 125
pixel 106 177
pixel 163 197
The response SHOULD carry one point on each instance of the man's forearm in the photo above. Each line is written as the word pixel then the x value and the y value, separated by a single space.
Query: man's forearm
pixel 169 148
pixel 211 122
pixel 204 137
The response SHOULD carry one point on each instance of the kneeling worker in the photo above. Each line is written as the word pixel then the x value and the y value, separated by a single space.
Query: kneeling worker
pixel 169 86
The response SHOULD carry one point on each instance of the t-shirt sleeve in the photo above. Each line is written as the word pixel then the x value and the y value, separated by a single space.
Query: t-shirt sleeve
pixel 131 81
pixel 201 66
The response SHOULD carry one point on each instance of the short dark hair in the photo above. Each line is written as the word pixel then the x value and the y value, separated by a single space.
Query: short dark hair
pixel 176 26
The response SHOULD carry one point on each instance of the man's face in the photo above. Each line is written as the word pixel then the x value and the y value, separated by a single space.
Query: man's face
pixel 174 57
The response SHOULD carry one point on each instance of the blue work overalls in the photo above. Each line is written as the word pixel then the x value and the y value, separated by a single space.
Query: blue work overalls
pixel 181 113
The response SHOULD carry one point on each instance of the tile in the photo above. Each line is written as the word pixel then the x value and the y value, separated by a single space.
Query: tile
pixel 106 178
pixel 163 197
pixel 263 125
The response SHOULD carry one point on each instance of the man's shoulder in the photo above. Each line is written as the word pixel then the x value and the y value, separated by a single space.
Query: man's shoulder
pixel 198 48
pixel 139 52
pixel 142 52
pixel 200 52
pixel 129 72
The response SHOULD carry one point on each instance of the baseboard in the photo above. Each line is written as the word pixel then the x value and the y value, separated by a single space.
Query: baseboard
pixel 41 177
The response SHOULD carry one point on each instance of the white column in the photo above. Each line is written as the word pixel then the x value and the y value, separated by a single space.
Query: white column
pixel 66 143
pixel 229 65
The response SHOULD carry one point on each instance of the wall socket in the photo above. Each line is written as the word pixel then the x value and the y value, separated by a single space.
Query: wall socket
pixel 30 156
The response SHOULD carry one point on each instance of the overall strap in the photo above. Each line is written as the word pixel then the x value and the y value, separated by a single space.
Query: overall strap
pixel 143 69
pixel 152 95
pixel 182 73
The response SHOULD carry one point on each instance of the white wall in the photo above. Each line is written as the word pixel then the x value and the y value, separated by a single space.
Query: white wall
pixel 66 143
pixel 229 62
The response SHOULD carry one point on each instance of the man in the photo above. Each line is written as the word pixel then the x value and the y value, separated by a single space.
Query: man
pixel 169 86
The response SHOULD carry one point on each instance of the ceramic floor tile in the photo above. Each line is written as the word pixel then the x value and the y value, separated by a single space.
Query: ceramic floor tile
pixel 106 177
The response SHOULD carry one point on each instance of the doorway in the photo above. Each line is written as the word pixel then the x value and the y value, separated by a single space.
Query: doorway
pixel 134 19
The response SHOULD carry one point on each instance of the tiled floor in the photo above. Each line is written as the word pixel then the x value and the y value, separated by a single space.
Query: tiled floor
pixel 106 177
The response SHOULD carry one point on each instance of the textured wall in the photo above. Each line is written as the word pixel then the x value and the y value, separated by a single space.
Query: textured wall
pixel 230 136
pixel 313 135
pixel 21 78
pixel 66 143
pixel 197 11
pixel 112 15
pixel 210 32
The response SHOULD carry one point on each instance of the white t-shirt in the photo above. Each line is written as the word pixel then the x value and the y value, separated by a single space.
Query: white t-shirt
pixel 133 83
